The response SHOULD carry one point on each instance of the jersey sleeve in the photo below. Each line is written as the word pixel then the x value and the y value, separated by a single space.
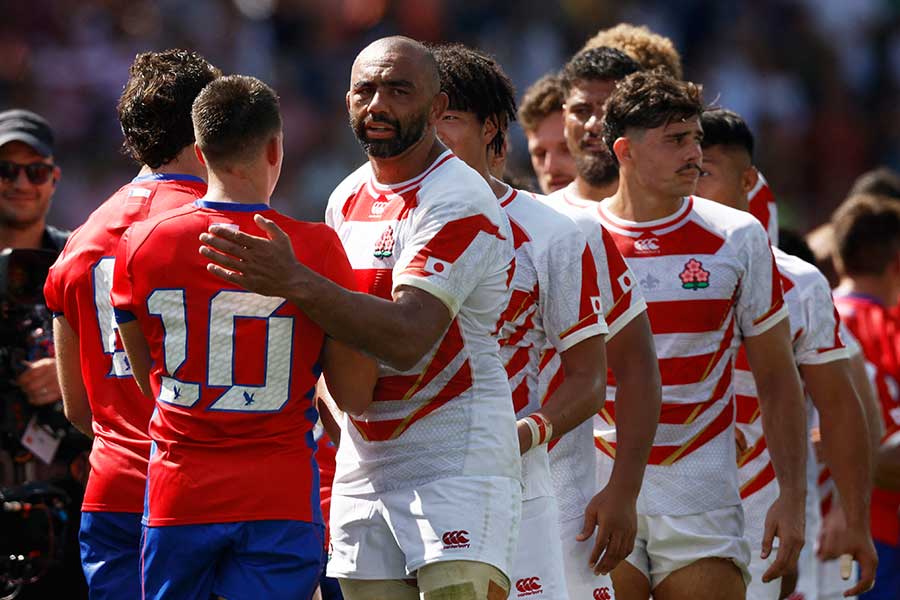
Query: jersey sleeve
pixel 451 247
pixel 820 340
pixel 54 289
pixel 572 308
pixel 622 299
pixel 760 303
pixel 122 294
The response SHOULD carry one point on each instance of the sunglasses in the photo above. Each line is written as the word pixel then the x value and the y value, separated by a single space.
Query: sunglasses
pixel 38 173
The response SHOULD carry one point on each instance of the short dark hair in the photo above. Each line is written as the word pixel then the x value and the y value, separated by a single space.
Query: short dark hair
pixel 155 106
pixel 233 117
pixel 723 127
pixel 882 181
pixel 475 82
pixel 597 64
pixel 866 234
pixel 647 100
pixel 543 98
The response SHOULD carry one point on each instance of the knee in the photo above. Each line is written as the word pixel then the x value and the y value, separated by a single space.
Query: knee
pixel 462 580
pixel 379 589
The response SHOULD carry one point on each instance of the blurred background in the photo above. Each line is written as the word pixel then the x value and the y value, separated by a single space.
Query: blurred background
pixel 816 79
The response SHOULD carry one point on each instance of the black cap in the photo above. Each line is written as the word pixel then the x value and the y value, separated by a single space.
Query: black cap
pixel 19 125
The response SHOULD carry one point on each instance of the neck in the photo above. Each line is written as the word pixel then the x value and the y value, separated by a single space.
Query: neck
pixel 635 202
pixel 185 163
pixel 30 236
pixel 236 187
pixel 498 187
pixel 595 192
pixel 870 285
pixel 408 164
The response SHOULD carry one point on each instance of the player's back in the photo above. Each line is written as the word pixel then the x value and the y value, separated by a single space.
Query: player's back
pixel 445 233
pixel 78 286
pixel 233 372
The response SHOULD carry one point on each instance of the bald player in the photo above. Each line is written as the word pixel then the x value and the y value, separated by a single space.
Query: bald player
pixel 541 117
pixel 427 491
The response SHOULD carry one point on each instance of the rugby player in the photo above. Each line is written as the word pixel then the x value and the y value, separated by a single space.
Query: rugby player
pixel 541 117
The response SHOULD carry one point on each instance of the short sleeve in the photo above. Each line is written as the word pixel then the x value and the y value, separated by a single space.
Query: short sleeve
pixel 760 303
pixel 622 299
pixel 54 289
pixel 451 246
pixel 572 308
pixel 122 294
pixel 820 340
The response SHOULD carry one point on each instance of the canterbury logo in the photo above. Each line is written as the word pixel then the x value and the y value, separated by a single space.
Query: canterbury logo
pixel 602 594
pixel 646 245
pixel 378 208
pixel 529 586
pixel 456 539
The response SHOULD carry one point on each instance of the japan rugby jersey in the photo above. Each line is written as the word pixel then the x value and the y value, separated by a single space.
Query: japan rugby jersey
pixel 554 305
pixel 814 331
pixel 763 207
pixel 710 280
pixel 876 329
pixel 573 459
pixel 450 415
pixel 78 287
pixel 233 372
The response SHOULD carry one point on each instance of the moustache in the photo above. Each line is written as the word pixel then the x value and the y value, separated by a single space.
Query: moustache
pixel 382 119
pixel 690 166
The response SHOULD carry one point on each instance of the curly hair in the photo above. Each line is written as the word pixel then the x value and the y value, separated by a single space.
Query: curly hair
pixel 543 98
pixel 866 234
pixel 650 49
pixel 604 64
pixel 233 117
pixel 475 82
pixel 155 106
pixel 647 100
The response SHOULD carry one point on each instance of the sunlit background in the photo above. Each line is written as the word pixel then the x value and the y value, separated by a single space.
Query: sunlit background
pixel 816 79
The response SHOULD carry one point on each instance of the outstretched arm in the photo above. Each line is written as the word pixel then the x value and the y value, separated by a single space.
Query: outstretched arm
pixel 398 333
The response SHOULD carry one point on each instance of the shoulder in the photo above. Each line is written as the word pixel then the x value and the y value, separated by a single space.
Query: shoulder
pixel 805 276
pixel 724 219
pixel 541 220
pixel 350 185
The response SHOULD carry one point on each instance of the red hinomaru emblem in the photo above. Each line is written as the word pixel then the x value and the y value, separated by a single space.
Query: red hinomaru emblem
pixel 694 276
pixel 384 247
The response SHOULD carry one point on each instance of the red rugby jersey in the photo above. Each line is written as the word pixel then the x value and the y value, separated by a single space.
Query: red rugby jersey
pixel 763 207
pixel 233 372
pixel 78 287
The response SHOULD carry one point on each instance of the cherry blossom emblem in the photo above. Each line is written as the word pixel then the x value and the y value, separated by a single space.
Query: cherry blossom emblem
pixel 384 247
pixel 694 276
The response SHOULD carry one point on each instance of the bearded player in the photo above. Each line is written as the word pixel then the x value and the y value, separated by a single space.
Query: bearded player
pixel 428 477
pixel 824 365
pixel 710 281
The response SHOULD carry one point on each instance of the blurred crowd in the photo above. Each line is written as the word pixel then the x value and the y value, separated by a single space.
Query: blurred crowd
pixel 815 79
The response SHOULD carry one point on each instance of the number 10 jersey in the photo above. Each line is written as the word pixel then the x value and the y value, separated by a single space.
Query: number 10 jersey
pixel 233 372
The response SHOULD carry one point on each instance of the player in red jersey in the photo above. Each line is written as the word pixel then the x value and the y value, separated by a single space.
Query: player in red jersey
pixel 541 117
pixel 428 477
pixel 823 361
pixel 232 505
pixel 99 395
pixel 867 239
pixel 710 280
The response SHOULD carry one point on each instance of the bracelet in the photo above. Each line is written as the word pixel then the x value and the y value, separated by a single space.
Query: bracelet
pixel 540 427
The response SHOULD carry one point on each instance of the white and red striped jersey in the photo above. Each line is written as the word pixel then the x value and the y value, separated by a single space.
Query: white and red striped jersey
pixel 763 207
pixel 710 279
pixel 554 305
pixel 451 414
pixel 573 459
pixel 816 340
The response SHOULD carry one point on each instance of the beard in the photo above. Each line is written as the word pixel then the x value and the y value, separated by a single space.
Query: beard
pixel 406 134
pixel 597 169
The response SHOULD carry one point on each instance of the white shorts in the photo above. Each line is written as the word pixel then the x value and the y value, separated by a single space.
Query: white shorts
pixel 757 590
pixel 390 535
pixel 580 579
pixel 831 585
pixel 666 543
pixel 538 566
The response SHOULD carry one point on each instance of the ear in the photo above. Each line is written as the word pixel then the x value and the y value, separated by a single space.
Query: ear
pixel 347 100
pixel 273 150
pixel 622 149
pixel 199 154
pixel 57 173
pixel 438 105
pixel 489 130
pixel 749 178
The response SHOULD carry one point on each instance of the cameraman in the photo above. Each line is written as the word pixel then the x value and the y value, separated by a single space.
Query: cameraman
pixel 43 462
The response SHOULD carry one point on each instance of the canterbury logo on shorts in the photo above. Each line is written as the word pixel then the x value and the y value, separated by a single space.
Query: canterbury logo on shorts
pixel 456 539
pixel 528 586
pixel 602 594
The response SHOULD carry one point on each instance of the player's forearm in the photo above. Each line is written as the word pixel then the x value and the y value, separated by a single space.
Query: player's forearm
pixel 887 468
pixel 784 425
pixel 638 398
pixel 583 390
pixel 844 435
pixel 869 402
pixel 377 327
pixel 76 405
